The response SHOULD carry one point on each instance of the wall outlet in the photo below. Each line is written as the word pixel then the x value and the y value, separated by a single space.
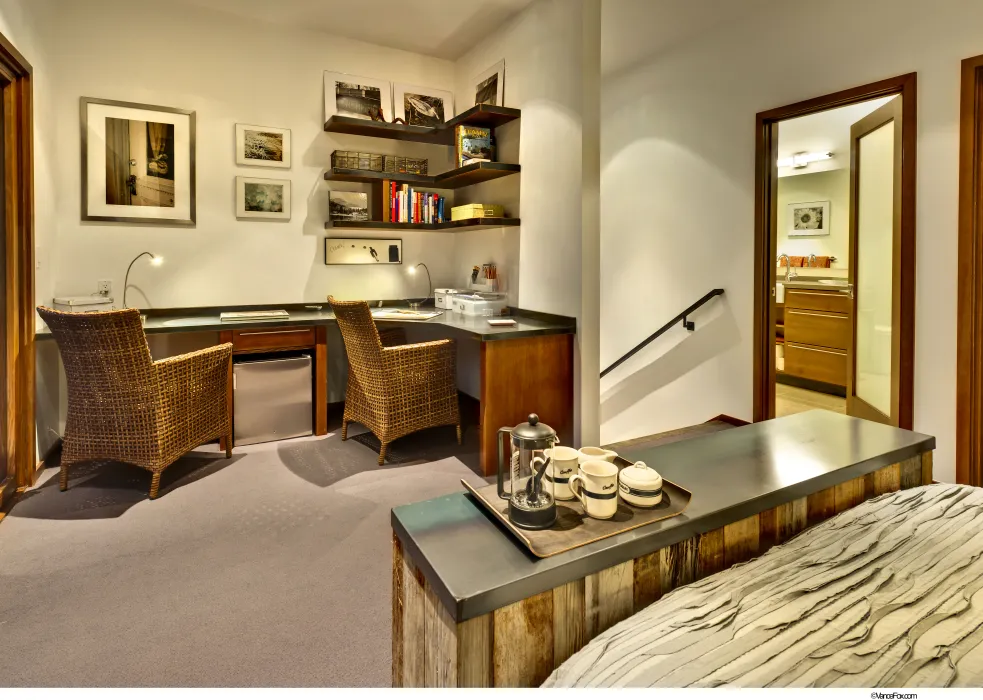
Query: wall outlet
pixel 104 287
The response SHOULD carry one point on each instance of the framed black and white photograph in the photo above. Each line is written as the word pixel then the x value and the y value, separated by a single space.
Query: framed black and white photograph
pixel 357 97
pixel 363 251
pixel 808 219
pixel 489 86
pixel 265 146
pixel 138 163
pixel 348 206
pixel 262 198
pixel 420 106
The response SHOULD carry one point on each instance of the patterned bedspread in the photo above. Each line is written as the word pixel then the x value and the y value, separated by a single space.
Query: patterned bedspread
pixel 887 594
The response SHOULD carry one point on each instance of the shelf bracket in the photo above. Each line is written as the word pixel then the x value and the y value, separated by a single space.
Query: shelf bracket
pixel 689 325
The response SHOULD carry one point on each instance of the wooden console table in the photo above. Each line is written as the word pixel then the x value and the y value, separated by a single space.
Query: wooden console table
pixel 471 606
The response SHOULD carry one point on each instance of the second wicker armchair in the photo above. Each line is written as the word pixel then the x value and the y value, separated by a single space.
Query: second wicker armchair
pixel 394 391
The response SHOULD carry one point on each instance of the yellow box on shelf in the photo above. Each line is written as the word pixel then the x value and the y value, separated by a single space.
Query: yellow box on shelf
pixel 476 211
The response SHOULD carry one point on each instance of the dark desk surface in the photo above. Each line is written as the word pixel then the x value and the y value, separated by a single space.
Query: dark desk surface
pixel 475 566
pixel 193 320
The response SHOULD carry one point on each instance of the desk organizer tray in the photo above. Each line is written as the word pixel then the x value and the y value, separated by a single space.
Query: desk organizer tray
pixel 573 528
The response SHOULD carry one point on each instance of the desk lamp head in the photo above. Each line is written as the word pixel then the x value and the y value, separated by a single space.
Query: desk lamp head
pixel 155 260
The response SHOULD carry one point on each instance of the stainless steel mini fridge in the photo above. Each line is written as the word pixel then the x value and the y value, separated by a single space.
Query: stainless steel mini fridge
pixel 272 399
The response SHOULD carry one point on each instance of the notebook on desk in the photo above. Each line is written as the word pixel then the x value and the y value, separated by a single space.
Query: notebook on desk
pixel 266 315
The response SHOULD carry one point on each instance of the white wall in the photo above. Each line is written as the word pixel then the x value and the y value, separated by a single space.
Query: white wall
pixel 832 186
pixel 678 190
pixel 228 70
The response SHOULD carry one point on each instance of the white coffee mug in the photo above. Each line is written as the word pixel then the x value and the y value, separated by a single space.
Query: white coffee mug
pixel 596 485
pixel 590 454
pixel 563 465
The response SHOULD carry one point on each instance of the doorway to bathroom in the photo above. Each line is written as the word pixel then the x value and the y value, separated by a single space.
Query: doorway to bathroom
pixel 834 255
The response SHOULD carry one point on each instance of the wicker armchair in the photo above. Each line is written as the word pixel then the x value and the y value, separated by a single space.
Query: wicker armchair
pixel 124 406
pixel 395 390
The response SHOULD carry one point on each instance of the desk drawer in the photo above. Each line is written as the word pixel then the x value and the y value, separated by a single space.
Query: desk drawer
pixel 818 364
pixel 818 328
pixel 817 300
pixel 270 339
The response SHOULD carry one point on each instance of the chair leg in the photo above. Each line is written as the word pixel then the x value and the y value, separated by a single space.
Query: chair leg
pixel 63 480
pixel 344 430
pixel 154 485
pixel 382 454
pixel 228 446
pixel 458 433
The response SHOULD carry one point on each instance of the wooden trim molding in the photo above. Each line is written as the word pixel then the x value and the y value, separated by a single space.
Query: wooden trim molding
pixel 969 318
pixel 766 234
pixel 17 376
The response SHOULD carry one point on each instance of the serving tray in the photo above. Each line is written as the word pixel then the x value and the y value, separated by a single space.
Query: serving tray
pixel 573 528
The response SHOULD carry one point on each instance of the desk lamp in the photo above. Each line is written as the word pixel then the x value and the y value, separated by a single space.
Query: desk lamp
pixel 154 260
pixel 412 271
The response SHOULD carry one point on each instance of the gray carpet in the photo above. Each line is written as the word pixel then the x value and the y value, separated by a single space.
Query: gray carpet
pixel 270 569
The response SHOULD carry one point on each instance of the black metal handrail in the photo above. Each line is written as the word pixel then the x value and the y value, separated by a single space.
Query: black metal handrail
pixel 687 324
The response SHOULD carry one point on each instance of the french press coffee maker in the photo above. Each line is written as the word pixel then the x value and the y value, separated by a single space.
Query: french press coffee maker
pixel 530 496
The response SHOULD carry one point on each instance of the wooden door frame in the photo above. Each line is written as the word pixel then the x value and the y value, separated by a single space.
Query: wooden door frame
pixel 18 392
pixel 969 316
pixel 766 225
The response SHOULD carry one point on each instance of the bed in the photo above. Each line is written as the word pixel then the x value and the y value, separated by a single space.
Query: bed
pixel 886 594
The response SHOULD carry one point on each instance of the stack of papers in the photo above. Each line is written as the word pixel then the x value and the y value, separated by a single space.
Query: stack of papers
pixel 265 315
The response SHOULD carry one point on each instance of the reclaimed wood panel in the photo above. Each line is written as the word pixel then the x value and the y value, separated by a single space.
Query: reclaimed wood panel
pixel 821 505
pixel 848 494
pixel 793 518
pixel 677 565
pixel 741 540
pixel 523 642
pixel 397 602
pixel 911 472
pixel 474 653
pixel 608 597
pixel 440 630
pixel 927 476
pixel 710 553
pixel 414 625
pixel 648 580
pixel 767 529
pixel 569 620
pixel 886 480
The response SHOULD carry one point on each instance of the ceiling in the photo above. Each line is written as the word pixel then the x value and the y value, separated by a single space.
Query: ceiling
pixel 822 132
pixel 441 28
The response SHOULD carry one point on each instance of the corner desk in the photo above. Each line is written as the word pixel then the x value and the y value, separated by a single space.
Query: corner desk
pixel 524 368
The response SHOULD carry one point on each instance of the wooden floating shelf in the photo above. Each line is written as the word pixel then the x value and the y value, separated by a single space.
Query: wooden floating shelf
pixel 479 115
pixel 451 180
pixel 462 224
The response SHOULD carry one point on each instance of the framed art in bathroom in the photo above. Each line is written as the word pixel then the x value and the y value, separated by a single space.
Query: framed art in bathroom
pixel 808 219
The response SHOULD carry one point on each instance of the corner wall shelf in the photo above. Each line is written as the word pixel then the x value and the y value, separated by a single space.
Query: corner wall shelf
pixel 479 115
pixel 462 224
pixel 451 180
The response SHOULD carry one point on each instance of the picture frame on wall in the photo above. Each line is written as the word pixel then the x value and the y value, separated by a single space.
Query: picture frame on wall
pixel 363 251
pixel 138 163
pixel 357 97
pixel 262 146
pixel 808 219
pixel 489 85
pixel 421 106
pixel 262 198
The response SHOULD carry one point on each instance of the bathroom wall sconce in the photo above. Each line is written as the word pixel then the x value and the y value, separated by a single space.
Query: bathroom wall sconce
pixel 802 160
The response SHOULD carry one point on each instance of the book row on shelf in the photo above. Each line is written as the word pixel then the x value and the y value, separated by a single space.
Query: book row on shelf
pixel 407 205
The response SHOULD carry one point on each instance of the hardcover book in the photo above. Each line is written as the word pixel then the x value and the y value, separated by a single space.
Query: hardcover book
pixel 472 144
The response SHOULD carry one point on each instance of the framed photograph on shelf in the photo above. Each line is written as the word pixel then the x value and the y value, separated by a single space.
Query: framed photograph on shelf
pixel 348 206
pixel 263 146
pixel 489 85
pixel 138 163
pixel 357 97
pixel 808 219
pixel 363 251
pixel 262 198
pixel 420 106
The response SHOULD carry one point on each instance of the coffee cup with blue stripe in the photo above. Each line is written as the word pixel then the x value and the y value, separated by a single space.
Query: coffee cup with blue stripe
pixel 596 486
pixel 563 465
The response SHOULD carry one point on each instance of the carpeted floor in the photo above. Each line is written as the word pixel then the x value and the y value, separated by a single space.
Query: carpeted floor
pixel 269 569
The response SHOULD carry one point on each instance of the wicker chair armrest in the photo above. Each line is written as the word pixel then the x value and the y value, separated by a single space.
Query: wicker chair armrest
pixel 186 365
pixel 392 336
pixel 421 362
pixel 192 398
pixel 435 350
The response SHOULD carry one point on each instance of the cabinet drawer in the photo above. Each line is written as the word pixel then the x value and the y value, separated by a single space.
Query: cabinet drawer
pixel 818 364
pixel 818 328
pixel 817 300
pixel 262 340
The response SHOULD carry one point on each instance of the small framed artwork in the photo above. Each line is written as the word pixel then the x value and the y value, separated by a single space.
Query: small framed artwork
pixel 357 97
pixel 348 206
pixel 265 146
pixel 420 106
pixel 262 198
pixel 489 85
pixel 808 219
pixel 363 251
pixel 138 163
